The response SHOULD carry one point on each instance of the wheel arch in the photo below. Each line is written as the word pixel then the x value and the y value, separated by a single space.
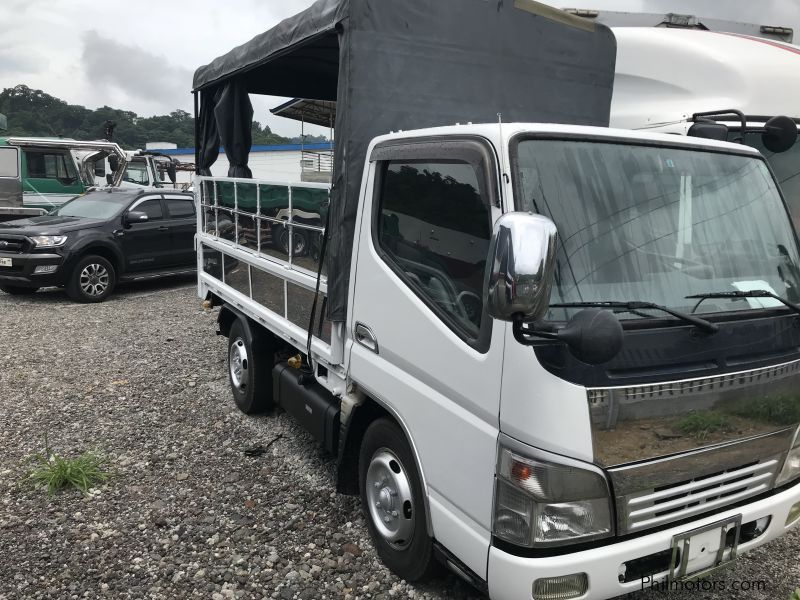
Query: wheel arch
pixel 351 435
pixel 111 254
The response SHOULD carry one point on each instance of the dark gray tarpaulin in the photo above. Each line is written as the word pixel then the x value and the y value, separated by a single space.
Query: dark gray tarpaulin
pixel 408 64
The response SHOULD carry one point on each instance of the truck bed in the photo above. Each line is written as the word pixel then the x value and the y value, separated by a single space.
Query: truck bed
pixel 258 249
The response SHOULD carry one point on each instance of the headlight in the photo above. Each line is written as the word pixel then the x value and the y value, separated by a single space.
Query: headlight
pixel 791 466
pixel 540 503
pixel 49 241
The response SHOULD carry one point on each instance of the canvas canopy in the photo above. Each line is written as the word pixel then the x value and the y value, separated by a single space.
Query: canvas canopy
pixel 400 65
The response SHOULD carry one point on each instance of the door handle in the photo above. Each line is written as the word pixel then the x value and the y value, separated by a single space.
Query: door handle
pixel 163 228
pixel 364 336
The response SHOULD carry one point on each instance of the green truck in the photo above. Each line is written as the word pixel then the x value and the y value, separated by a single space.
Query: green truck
pixel 40 174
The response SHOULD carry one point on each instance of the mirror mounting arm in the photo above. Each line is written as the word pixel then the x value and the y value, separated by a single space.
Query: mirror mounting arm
pixel 524 334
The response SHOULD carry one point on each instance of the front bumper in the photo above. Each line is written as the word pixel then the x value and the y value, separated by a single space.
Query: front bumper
pixel 22 273
pixel 511 577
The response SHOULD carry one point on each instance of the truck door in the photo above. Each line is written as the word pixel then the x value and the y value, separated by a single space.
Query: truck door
pixel 426 347
pixel 49 177
pixel 183 224
pixel 148 245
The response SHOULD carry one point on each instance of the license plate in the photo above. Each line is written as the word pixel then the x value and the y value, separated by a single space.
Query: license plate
pixel 6 262
pixel 700 551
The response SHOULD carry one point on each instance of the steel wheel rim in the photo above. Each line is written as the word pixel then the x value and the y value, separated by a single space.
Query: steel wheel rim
pixel 390 500
pixel 299 243
pixel 238 364
pixel 94 279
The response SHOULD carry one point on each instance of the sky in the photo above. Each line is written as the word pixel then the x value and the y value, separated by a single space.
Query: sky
pixel 140 56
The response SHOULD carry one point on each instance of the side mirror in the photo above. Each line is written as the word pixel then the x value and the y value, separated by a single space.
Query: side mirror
pixel 135 216
pixel 780 134
pixel 709 130
pixel 523 259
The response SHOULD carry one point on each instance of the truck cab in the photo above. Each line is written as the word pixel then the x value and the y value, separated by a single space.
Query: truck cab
pixel 40 174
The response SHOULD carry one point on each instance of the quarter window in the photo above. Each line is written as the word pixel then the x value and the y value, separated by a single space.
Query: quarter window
pixel 434 228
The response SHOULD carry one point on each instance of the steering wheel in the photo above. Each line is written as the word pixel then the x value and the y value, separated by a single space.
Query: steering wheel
pixel 470 305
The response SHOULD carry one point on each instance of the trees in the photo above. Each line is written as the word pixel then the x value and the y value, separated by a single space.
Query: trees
pixel 35 113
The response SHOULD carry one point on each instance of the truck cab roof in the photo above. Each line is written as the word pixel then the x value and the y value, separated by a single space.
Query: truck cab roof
pixel 503 133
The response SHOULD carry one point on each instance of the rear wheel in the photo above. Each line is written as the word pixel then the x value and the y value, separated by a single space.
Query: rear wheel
pixel 18 291
pixel 393 501
pixel 250 363
pixel 91 280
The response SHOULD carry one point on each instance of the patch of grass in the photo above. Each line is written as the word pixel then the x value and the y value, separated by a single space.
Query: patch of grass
pixel 57 473
pixel 795 595
pixel 779 410
pixel 702 423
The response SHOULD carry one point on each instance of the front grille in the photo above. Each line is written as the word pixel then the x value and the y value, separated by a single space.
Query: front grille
pixel 694 496
pixel 13 245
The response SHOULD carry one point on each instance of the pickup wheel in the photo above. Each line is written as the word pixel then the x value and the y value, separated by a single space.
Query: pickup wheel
pixel 18 291
pixel 250 362
pixel 92 279
pixel 393 501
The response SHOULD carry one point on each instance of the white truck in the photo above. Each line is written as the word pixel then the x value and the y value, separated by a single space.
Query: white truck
pixel 561 360
pixel 667 79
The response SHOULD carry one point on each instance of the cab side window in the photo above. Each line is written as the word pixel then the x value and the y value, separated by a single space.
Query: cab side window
pixel 49 165
pixel 9 163
pixel 151 207
pixel 434 228
pixel 179 208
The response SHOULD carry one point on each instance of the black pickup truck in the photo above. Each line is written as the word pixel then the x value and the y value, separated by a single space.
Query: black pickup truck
pixel 94 241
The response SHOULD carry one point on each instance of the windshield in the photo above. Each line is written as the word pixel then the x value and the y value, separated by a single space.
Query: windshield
pixel 136 173
pixel 91 206
pixel 786 166
pixel 657 224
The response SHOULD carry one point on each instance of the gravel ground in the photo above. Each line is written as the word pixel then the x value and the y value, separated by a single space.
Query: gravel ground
pixel 141 379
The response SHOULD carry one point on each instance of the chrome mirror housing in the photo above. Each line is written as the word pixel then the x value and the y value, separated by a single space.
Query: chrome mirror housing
pixel 523 258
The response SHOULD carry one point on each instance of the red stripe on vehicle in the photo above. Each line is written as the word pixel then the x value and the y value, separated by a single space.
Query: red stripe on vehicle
pixel 788 48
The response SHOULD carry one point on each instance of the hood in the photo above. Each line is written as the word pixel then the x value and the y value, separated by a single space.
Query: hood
pixel 48 225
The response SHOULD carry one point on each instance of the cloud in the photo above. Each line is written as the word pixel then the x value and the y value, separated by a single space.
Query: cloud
pixel 16 62
pixel 135 72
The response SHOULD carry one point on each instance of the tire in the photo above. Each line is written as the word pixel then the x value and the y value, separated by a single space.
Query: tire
pixel 92 279
pixel 391 489
pixel 18 291
pixel 250 363
pixel 299 241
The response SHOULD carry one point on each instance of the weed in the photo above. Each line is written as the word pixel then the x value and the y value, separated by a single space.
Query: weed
pixel 779 410
pixel 702 423
pixel 58 473
pixel 795 595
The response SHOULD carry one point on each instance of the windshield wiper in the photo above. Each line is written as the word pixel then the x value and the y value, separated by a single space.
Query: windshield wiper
pixel 635 306
pixel 743 294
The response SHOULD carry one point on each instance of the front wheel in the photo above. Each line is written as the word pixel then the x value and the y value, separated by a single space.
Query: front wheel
pixel 18 291
pixel 393 501
pixel 91 280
